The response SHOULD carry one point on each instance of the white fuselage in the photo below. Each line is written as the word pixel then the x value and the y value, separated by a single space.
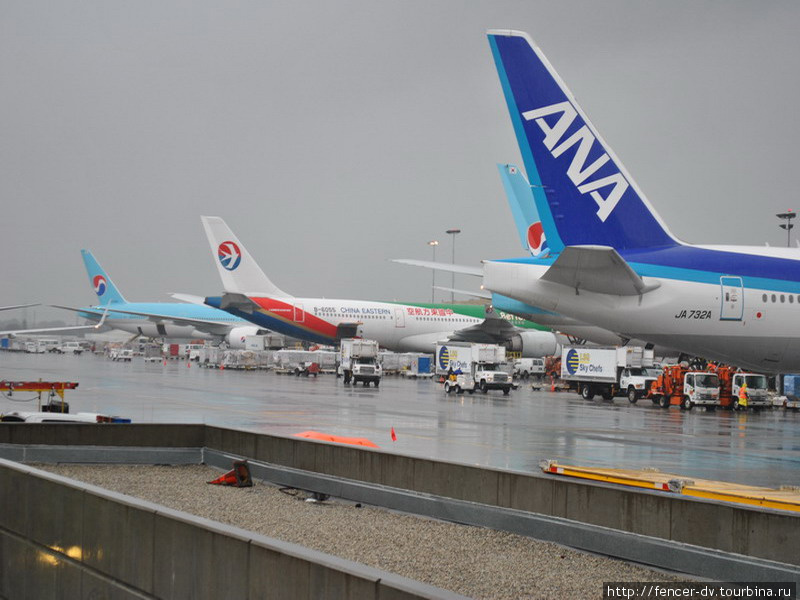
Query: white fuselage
pixel 746 330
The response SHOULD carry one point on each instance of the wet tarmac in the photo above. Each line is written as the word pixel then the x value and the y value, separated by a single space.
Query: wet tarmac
pixel 514 432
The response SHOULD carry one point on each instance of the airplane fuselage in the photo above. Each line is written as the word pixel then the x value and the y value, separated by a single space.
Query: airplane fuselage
pixel 743 308
pixel 399 327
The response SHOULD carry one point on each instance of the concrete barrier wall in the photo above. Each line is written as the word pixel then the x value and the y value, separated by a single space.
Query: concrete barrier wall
pixel 752 531
pixel 108 434
pixel 63 539
pixel 741 529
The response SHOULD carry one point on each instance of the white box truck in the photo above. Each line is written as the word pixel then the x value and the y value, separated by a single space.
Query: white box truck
pixel 358 361
pixel 620 371
pixel 471 367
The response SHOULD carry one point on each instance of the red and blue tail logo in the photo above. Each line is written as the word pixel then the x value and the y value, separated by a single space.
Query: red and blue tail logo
pixel 99 283
pixel 537 242
pixel 229 255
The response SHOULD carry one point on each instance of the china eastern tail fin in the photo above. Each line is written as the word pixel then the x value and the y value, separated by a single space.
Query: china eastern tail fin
pixel 582 191
pixel 240 274
pixel 101 283
pixel 523 208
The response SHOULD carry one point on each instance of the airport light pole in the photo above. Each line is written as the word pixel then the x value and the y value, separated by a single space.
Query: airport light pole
pixel 787 216
pixel 433 244
pixel 453 232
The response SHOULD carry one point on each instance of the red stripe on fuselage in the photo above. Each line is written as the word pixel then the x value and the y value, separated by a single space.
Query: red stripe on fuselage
pixel 286 312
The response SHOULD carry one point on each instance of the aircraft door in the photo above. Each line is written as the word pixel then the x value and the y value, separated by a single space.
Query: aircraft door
pixel 299 315
pixel 399 317
pixel 732 299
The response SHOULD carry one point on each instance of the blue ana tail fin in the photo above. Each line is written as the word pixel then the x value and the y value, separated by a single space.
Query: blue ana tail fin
pixel 101 283
pixel 523 206
pixel 581 188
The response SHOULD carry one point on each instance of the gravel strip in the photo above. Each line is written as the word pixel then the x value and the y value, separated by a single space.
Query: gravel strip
pixel 473 561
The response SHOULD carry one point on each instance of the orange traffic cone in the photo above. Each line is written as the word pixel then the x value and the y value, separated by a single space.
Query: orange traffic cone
pixel 552 384
pixel 238 476
pixel 228 478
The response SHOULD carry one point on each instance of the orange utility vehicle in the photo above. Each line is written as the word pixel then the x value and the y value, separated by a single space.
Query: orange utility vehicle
pixel 678 386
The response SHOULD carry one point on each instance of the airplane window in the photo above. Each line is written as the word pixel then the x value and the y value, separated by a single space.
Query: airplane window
pixel 773 297
pixel 764 298
pixel 791 299
pixel 783 298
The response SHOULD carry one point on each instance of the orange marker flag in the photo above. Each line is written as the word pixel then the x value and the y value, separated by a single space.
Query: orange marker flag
pixel 394 435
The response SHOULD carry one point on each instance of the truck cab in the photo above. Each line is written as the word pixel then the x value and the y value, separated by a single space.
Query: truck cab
pixel 700 388
pixel 358 362
pixel 483 376
pixel 756 391
pixel 636 381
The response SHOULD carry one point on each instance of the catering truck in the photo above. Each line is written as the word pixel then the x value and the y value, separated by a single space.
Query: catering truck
pixel 358 361
pixel 471 367
pixel 620 371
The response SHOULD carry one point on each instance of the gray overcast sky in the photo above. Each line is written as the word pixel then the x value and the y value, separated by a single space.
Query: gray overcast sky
pixel 334 136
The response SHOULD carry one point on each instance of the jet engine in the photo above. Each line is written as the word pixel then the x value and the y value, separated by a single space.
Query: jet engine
pixel 235 337
pixel 534 344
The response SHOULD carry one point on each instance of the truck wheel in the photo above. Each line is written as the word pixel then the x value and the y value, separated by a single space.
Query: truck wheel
pixel 607 395
pixel 686 404
pixel 458 389
pixel 506 391
pixel 633 395
pixel 663 401
pixel 735 405
pixel 484 387
pixel 587 393
pixel 447 387
pixel 377 382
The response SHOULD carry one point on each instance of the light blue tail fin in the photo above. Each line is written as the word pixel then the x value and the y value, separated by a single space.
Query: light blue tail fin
pixel 107 292
pixel 523 207
pixel 582 191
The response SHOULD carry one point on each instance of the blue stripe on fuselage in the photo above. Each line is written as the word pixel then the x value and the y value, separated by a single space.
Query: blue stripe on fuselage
pixel 702 265
pixel 262 319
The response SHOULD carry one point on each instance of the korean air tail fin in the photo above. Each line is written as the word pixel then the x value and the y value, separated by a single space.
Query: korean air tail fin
pixel 240 274
pixel 107 292
pixel 582 191
pixel 523 208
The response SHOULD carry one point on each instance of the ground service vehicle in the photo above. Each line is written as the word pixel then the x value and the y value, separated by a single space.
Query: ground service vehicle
pixel 791 392
pixel 472 367
pixel 756 391
pixel 358 361
pixel 609 371
pixel 730 386
pixel 678 386
pixel 70 348
pixel 529 367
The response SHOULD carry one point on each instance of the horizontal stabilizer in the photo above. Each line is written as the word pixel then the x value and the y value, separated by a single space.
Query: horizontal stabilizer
pixel 451 268
pixel 17 306
pixel 232 300
pixel 598 269
pixel 479 294
pixel 189 299
pixel 72 328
